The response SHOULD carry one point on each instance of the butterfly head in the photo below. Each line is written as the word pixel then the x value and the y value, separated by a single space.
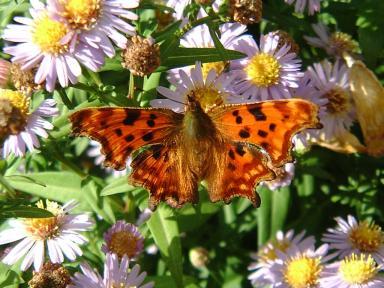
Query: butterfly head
pixel 205 97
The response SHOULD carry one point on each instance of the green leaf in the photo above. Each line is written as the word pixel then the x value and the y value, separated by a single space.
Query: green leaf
pixel 8 277
pixel 188 56
pixel 264 216
pixel 24 212
pixel 62 187
pixel 165 231
pixel 280 207
pixel 120 185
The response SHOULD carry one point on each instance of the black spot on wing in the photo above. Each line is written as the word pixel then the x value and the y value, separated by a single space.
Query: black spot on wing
pixel 129 138
pixel 131 117
pixel 272 127
pixel 152 116
pixel 257 113
pixel 262 133
pixel 231 167
pixel 150 123
pixel 235 113
pixel 231 154
pixel 147 137
pixel 118 132
pixel 240 150
pixel 244 133
pixel 239 120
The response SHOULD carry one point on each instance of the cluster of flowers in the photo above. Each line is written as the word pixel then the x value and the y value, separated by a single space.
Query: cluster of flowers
pixel 293 261
pixel 60 236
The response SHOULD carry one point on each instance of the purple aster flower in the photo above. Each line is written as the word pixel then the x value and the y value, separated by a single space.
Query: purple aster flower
pixel 351 236
pixel 97 23
pixel 21 126
pixel 313 5
pixel 48 44
pixel 335 44
pixel 331 82
pixel 58 233
pixel 116 274
pixel 355 271
pixel 123 239
pixel 268 72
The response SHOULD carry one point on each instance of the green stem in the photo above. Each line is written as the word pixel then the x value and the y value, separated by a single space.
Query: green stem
pixel 131 87
pixel 65 99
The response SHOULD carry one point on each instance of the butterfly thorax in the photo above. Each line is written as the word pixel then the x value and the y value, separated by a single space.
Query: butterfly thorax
pixel 200 136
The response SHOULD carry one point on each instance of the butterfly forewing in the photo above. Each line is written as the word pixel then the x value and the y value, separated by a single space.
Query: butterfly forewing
pixel 270 124
pixel 121 131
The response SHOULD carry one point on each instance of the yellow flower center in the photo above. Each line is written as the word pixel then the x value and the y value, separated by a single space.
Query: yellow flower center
pixel 343 42
pixel 302 272
pixel 338 101
pixel 45 228
pixel 268 252
pixel 14 112
pixel 217 66
pixel 208 97
pixel 48 35
pixel 81 14
pixel 263 70
pixel 123 243
pixel 367 237
pixel 357 270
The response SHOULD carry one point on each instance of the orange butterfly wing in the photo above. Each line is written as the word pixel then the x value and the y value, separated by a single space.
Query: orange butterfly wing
pixel 269 124
pixel 242 168
pixel 162 171
pixel 121 131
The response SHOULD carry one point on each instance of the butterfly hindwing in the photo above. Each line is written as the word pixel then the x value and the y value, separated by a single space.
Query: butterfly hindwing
pixel 160 169
pixel 243 167
pixel 121 131
pixel 269 125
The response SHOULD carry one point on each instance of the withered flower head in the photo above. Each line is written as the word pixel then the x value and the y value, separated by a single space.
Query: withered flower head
pixel 141 56
pixel 286 39
pixel 246 11
pixel 51 275
pixel 24 80
pixel 14 109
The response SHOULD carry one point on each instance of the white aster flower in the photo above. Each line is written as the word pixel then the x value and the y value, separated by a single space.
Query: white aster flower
pixel 58 233
pixel 332 84
pixel 116 274
pixel 97 22
pixel 211 91
pixel 94 152
pixel 335 44
pixel 48 44
pixel 353 272
pixel 268 72
pixel 269 253
pixel 313 5
pixel 199 37
pixel 298 268
pixel 307 91
pixel 356 237
pixel 19 127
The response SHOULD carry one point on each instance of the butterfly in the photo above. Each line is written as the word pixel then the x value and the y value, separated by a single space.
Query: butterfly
pixel 232 147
